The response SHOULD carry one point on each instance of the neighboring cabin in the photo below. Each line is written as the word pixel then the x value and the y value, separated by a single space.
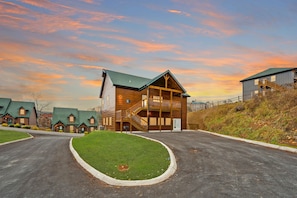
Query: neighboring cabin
pixel 136 103
pixel 268 80
pixel 74 120
pixel 17 112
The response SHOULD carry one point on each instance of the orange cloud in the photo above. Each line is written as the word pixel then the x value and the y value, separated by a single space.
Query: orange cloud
pixel 94 83
pixel 22 83
pixel 144 46
pixel 91 67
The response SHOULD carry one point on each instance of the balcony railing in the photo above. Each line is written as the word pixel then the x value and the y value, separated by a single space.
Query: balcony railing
pixel 165 105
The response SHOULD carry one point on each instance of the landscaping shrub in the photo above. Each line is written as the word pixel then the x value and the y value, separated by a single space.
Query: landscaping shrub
pixel 35 127
pixel 26 127
pixel 4 124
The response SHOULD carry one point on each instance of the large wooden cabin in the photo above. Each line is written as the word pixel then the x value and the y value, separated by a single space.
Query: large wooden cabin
pixel 133 103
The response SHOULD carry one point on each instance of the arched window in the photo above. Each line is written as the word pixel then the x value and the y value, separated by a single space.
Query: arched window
pixel 22 111
pixel 71 118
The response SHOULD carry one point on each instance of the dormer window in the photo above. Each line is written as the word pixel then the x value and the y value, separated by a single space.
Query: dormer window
pixel 22 111
pixel 71 118
pixel 92 121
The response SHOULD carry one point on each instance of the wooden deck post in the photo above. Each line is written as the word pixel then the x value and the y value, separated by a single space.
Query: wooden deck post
pixel 181 111
pixel 121 123
pixel 148 109
pixel 171 93
pixel 160 110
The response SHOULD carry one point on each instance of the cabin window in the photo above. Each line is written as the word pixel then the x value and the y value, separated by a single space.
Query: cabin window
pixel 92 128
pixel 103 121
pixel 71 118
pixel 167 121
pixel 110 121
pixel 161 121
pixel 22 111
pixel 22 120
pixel 157 99
pixel 256 82
pixel 256 92
pixel 273 78
pixel 153 121
pixel 71 128
pixel 144 101
pixel 92 121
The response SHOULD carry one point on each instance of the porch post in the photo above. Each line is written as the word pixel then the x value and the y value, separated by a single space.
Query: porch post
pixel 181 111
pixel 171 110
pixel 121 124
pixel 148 109
pixel 160 110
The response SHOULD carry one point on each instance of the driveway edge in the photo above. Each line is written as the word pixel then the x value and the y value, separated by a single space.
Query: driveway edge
pixel 115 182
pixel 283 148
pixel 14 141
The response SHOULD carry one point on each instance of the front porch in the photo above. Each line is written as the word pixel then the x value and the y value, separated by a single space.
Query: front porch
pixel 149 114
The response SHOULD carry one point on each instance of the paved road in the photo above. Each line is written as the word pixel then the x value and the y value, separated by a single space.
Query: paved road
pixel 208 166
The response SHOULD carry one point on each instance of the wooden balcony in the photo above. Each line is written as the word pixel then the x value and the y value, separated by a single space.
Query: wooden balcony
pixel 164 105
pixel 153 105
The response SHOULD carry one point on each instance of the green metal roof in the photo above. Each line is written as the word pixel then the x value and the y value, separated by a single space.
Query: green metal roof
pixel 85 116
pixel 15 106
pixel 4 103
pixel 135 82
pixel 7 106
pixel 268 72
pixel 126 80
pixel 62 115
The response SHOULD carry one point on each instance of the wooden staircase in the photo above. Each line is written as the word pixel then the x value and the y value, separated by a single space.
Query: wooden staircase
pixel 131 116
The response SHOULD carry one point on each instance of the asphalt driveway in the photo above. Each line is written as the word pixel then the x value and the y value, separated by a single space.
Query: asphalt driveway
pixel 208 166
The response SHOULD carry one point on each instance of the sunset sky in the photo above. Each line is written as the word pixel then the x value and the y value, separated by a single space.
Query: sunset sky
pixel 57 49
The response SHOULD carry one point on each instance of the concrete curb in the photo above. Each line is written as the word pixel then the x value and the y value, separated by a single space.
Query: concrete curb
pixel 283 148
pixel 14 141
pixel 115 182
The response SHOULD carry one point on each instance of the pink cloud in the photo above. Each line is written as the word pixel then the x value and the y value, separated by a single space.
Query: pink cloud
pixel 13 15
pixel 173 11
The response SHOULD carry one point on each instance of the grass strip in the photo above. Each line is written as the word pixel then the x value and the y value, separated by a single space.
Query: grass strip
pixel 7 136
pixel 123 156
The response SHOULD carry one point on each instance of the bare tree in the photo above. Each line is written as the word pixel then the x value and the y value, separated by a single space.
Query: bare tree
pixel 40 106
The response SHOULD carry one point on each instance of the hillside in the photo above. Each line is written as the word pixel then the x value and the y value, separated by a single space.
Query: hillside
pixel 271 119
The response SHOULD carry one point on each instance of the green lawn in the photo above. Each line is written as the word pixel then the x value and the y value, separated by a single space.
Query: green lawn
pixel 106 151
pixel 7 136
